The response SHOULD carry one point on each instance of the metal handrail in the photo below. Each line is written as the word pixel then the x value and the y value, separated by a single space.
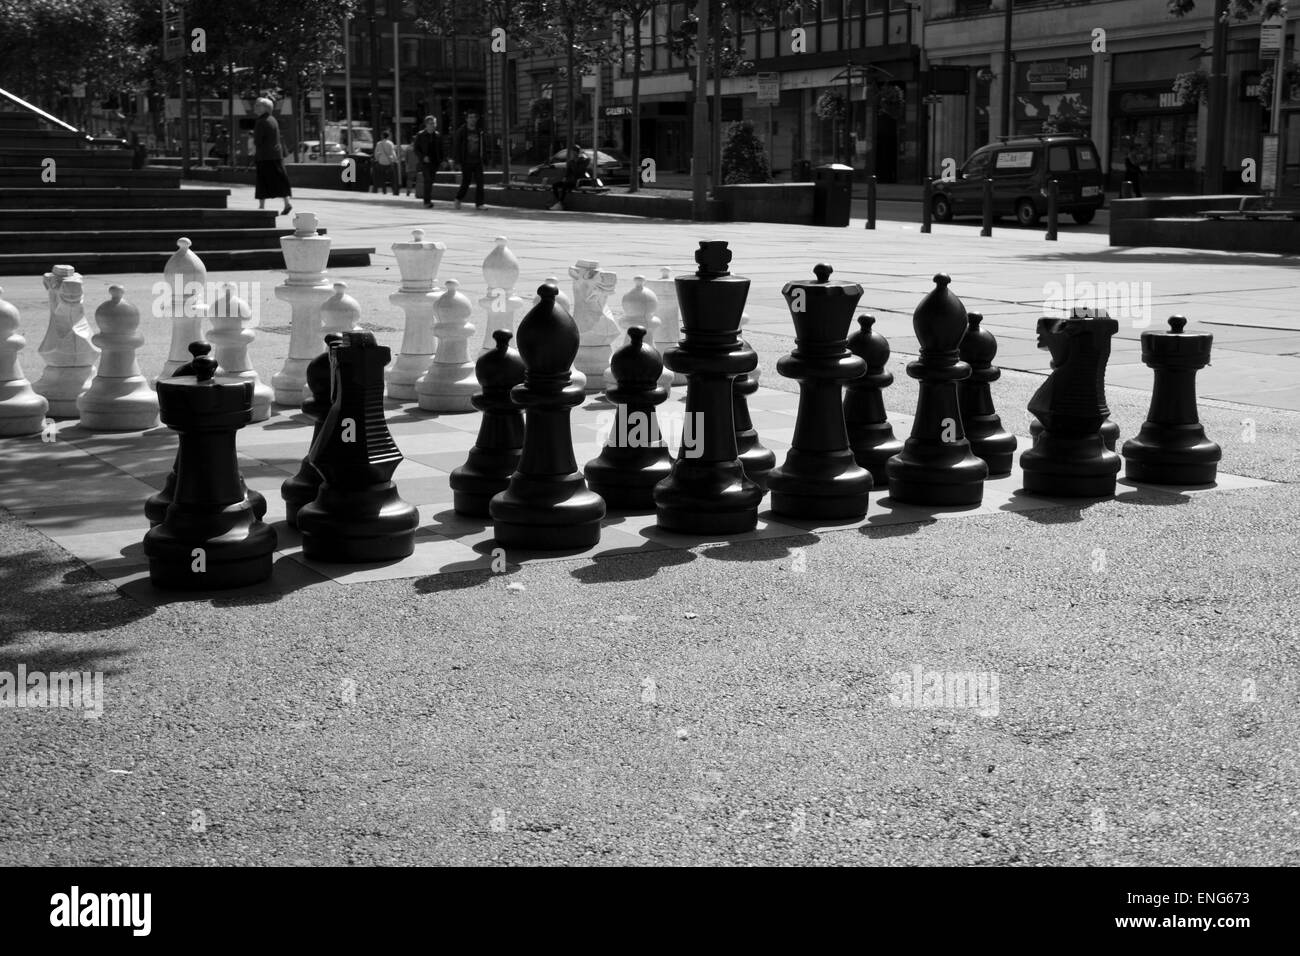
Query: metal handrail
pixel 40 112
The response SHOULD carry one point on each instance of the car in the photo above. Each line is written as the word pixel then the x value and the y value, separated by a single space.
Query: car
pixel 1021 168
pixel 614 167
pixel 310 150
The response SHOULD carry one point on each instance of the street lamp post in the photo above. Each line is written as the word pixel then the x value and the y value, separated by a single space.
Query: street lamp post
pixel 1007 71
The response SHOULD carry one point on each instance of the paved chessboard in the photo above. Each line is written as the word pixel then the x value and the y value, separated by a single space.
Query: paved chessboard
pixel 87 490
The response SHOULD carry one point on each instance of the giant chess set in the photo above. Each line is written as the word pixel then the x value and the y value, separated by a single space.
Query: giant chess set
pixel 565 432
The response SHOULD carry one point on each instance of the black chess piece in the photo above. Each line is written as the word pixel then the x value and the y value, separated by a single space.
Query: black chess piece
pixel 547 505
pixel 358 516
pixel 1070 458
pixel 303 487
pixel 936 466
pixel 1109 429
pixel 757 460
pixel 209 538
pixel 1171 448
pixel 988 439
pixel 710 493
pixel 500 441
pixel 155 507
pixel 635 458
pixel 819 477
pixel 870 435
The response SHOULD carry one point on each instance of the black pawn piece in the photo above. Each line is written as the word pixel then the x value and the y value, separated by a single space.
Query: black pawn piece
pixel 155 508
pixel 547 505
pixel 1171 448
pixel 500 441
pixel 820 478
pixel 709 493
pixel 1070 458
pixel 870 435
pixel 358 516
pixel 209 538
pixel 1109 429
pixel 303 487
pixel 936 466
pixel 757 460
pixel 635 458
pixel 988 439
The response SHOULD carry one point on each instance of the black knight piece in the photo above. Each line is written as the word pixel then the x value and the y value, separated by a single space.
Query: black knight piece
pixel 500 441
pixel 819 478
pixel 303 487
pixel 547 506
pixel 988 439
pixel 358 516
pixel 870 435
pixel 1171 448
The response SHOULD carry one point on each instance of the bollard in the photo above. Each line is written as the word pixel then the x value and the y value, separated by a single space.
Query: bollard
pixel 1053 201
pixel 1126 189
pixel 927 206
pixel 987 229
pixel 871 202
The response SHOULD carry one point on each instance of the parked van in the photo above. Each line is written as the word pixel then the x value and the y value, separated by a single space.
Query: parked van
pixel 1021 168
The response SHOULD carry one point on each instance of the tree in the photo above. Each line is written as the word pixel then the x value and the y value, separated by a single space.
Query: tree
pixel 744 160
pixel 625 13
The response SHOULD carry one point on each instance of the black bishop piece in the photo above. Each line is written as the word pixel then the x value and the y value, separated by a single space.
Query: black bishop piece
pixel 870 435
pixel 303 487
pixel 500 441
pixel 988 439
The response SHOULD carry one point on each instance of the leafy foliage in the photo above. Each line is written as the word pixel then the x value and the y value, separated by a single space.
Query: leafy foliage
pixel 744 157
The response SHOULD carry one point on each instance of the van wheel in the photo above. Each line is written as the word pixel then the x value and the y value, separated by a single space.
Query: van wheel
pixel 1026 212
pixel 1084 216
pixel 942 209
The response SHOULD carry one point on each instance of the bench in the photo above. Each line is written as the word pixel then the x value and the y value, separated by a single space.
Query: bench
pixel 1251 214
pixel 529 187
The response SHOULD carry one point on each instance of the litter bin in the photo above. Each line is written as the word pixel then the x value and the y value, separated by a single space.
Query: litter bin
pixel 832 195
pixel 801 171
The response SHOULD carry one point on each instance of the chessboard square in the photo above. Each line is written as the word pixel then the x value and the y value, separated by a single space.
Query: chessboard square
pixel 445 461
pixel 769 526
pixel 276 431
pixel 420 423
pixel 432 553
pixel 91 518
pixel 86 481
pixel 435 489
pixel 425 444
pixel 411 470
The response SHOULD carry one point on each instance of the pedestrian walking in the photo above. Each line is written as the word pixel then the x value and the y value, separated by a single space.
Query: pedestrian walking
pixel 411 167
pixel 386 163
pixel 272 180
pixel 468 150
pixel 428 150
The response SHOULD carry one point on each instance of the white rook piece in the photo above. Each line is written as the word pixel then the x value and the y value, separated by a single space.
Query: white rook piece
pixel 640 306
pixel 68 352
pixel 306 256
pixel 500 273
pixel 119 399
pixel 665 288
pixel 450 383
pixel 418 263
pixel 22 411
pixel 232 320
pixel 185 276
pixel 596 327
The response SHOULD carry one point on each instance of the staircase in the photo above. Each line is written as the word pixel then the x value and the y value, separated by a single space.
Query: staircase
pixel 102 216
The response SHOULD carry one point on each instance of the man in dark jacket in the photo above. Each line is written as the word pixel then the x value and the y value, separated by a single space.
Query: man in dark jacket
pixel 468 153
pixel 428 150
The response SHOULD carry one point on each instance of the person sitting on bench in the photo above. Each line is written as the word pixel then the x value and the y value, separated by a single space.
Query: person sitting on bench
pixel 577 171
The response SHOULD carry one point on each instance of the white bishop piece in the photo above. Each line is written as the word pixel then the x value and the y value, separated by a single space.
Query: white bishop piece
pixel 670 330
pixel 596 326
pixel 639 308
pixel 450 383
pixel 418 262
pixel 22 411
pixel 500 273
pixel 68 352
pixel 184 276
pixel 231 335
pixel 306 256
pixel 119 399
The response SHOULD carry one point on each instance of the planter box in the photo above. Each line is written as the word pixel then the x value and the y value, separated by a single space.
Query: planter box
pixel 769 202
pixel 1232 235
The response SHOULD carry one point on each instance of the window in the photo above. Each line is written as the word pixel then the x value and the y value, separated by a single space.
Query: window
pixel 977 166
pixel 1087 158
pixel 410 52
pixel 1015 162
pixel 1058 159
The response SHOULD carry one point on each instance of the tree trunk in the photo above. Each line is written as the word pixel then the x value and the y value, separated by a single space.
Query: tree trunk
pixel 455 88
pixel 636 106
pixel 569 35
pixel 716 136
pixel 505 117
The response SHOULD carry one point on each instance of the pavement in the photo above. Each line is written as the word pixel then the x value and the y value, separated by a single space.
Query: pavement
pixel 733 702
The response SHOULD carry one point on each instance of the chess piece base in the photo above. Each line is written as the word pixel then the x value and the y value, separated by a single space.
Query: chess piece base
pixel 828 485
pixel 406 371
pixel 379 526
pixel 873 452
pixel 155 507
pixel 61 386
pixel 119 405
pixel 927 483
pixel 997 449
pixel 483 476
pixel 435 394
pixel 238 558
pixel 299 491
pixel 557 513
pixel 1172 455
pixel 22 411
pixel 1109 432
pixel 708 498
pixel 1070 467
pixel 290 383
pixel 626 477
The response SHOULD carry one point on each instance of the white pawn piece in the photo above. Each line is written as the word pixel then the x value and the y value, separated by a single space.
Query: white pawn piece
pixel 22 411
pixel 119 399
pixel 500 273
pixel 576 377
pixel 670 331
pixel 596 326
pixel 232 333
pixel 639 307
pixel 67 349
pixel 450 383
pixel 744 321
pixel 418 263
pixel 306 256
pixel 184 277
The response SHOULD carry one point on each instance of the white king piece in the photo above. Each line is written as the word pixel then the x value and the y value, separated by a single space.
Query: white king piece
pixel 418 262
pixel 306 256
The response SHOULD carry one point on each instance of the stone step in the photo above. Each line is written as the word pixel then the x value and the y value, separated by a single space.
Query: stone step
pixel 160 241
pixel 21 136
pixel 116 263
pixel 20 156
pixel 20 119
pixel 16 176
pixel 77 220
pixel 73 198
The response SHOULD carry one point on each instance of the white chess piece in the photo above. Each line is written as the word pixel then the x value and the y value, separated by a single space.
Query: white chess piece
pixel 500 273
pixel 450 383
pixel 22 411
pixel 744 321
pixel 639 307
pixel 306 256
pixel 418 263
pixel 232 333
pixel 184 277
pixel 670 331
pixel 575 377
pixel 119 399
pixel 596 326
pixel 67 349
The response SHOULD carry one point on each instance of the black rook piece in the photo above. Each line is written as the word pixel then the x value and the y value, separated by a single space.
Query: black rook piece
pixel 155 508
pixel 1070 457
pixel 358 516
pixel 547 505
pixel 209 538
pixel 819 478
pixel 988 439
pixel 936 466
pixel 1171 448
pixel 870 435
pixel 635 458
pixel 303 487
pixel 710 493
pixel 757 460
pixel 1109 429
pixel 500 441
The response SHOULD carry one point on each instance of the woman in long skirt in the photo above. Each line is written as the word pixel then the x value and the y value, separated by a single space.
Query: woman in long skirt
pixel 272 180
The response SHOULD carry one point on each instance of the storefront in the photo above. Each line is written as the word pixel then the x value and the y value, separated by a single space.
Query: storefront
pixel 1053 96
pixel 1148 122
